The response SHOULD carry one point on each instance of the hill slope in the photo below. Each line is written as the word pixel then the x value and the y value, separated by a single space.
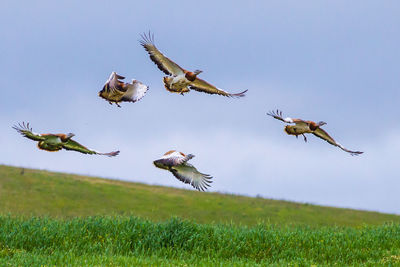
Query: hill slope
pixel 62 195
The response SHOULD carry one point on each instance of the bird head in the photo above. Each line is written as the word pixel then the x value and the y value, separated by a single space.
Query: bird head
pixel 70 135
pixel 197 72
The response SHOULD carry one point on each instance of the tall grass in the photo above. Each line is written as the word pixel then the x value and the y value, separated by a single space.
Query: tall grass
pixel 118 240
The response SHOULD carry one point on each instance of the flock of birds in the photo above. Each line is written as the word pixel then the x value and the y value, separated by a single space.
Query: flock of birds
pixel 181 81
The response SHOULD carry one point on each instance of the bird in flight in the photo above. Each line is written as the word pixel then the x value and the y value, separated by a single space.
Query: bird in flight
pixel 176 163
pixel 116 91
pixel 179 79
pixel 302 127
pixel 56 142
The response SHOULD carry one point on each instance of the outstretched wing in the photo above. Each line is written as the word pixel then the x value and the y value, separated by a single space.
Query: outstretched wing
pixel 188 174
pixel 325 136
pixel 73 145
pixel 278 115
pixel 134 91
pixel 203 86
pixel 163 63
pixel 27 132
pixel 175 158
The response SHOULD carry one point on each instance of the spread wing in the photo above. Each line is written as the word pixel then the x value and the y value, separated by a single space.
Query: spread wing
pixel 325 136
pixel 134 91
pixel 25 130
pixel 113 89
pixel 175 159
pixel 73 145
pixel 163 63
pixel 188 174
pixel 278 115
pixel 203 86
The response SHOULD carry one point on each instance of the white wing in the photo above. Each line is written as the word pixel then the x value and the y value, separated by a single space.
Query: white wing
pixel 188 174
pixel 173 158
pixel 135 91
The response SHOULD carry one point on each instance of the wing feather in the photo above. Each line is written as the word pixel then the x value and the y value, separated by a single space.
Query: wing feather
pixel 25 130
pixel 188 174
pixel 73 145
pixel 175 159
pixel 325 136
pixel 278 115
pixel 135 91
pixel 205 87
pixel 163 63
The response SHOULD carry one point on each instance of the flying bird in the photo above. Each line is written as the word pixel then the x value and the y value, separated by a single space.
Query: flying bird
pixel 302 127
pixel 179 79
pixel 116 91
pixel 176 162
pixel 56 142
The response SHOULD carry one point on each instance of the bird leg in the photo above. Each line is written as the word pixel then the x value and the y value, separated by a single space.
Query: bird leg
pixel 116 103
pixel 305 138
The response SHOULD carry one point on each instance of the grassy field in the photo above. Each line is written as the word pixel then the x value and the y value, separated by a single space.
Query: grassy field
pixel 122 240
pixel 59 195
pixel 49 219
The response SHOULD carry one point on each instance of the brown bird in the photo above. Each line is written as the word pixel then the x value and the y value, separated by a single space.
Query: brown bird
pixel 176 163
pixel 116 91
pixel 179 79
pixel 56 142
pixel 302 127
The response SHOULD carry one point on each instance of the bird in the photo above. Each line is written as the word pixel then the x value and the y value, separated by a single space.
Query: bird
pixel 56 142
pixel 302 127
pixel 179 79
pixel 177 163
pixel 116 91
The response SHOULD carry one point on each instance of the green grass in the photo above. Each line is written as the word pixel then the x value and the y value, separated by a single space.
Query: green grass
pixel 59 195
pixel 46 218
pixel 122 240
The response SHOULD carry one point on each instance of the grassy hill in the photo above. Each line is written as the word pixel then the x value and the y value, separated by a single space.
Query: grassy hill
pixel 59 195
pixel 45 220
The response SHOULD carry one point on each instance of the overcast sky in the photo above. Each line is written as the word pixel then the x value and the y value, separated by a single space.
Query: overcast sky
pixel 335 61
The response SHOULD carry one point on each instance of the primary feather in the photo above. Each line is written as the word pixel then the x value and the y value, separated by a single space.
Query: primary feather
pixel 165 64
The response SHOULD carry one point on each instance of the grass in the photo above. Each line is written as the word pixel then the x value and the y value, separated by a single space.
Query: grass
pixel 49 219
pixel 122 240
pixel 59 195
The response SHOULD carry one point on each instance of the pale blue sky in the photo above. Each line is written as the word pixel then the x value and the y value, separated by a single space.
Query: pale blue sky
pixel 336 61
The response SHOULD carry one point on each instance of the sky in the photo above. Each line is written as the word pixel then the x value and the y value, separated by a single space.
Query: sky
pixel 333 61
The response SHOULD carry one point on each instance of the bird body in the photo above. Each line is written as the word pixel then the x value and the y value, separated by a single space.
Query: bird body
pixel 56 142
pixel 116 91
pixel 176 163
pixel 52 142
pixel 302 127
pixel 180 80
